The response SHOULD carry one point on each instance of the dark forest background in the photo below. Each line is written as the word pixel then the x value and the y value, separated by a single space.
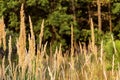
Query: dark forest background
pixel 59 15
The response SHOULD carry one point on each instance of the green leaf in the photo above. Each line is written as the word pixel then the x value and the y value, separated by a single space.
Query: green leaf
pixel 31 2
pixel 116 8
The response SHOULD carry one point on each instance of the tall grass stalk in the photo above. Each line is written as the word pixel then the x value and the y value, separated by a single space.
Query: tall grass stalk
pixel 10 51
pixel 94 48
pixel 101 52
pixel 72 48
pixel 113 44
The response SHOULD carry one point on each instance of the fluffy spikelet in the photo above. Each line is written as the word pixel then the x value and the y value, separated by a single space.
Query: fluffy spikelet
pixel 2 34
pixel 21 43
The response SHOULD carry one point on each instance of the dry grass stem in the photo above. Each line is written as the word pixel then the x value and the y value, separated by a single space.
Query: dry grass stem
pixel 80 46
pixel 72 48
pixel 101 52
pixel 10 52
pixel 3 69
pixel 113 64
pixel 113 44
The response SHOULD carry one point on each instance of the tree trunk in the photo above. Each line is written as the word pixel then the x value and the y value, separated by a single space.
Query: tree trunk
pixel 99 15
pixel 110 21
pixel 89 14
pixel 73 9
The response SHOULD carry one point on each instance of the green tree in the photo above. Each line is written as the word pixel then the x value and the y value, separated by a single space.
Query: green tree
pixel 59 15
pixel 115 18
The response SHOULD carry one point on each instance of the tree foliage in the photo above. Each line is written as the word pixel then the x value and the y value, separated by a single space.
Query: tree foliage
pixel 59 15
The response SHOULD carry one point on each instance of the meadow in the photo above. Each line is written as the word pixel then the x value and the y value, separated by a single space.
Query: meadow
pixel 89 63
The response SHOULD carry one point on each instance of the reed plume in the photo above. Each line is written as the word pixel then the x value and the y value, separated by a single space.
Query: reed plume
pixel 41 35
pixel 31 40
pixel 21 42
pixel 94 48
pixel 2 34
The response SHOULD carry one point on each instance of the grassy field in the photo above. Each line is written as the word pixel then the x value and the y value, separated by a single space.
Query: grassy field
pixel 87 64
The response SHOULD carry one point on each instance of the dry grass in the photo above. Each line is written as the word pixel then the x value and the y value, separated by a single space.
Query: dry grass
pixel 41 67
